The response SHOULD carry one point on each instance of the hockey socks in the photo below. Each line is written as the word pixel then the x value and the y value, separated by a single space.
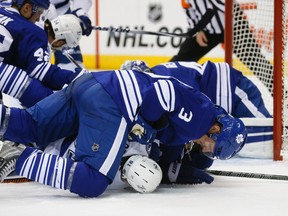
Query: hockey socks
pixel 61 173
pixel 44 168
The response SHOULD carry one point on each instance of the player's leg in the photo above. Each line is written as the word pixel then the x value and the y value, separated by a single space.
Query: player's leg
pixel 50 119
pixel 51 170
pixel 103 132
pixel 190 50
pixel 61 173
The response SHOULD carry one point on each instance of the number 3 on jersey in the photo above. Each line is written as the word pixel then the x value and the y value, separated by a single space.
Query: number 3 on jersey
pixel 185 116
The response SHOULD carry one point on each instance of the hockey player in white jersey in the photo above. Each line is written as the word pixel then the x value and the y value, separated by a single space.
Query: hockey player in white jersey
pixel 80 8
pixel 103 110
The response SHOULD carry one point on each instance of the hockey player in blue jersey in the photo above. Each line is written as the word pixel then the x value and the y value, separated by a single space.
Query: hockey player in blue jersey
pixel 79 8
pixel 223 84
pixel 25 45
pixel 226 87
pixel 103 110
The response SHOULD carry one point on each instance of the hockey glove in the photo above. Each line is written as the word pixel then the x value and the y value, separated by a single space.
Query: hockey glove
pixel 77 73
pixel 185 174
pixel 135 65
pixel 155 152
pixel 85 21
pixel 142 132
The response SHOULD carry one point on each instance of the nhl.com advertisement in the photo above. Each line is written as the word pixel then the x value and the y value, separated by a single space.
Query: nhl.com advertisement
pixel 116 22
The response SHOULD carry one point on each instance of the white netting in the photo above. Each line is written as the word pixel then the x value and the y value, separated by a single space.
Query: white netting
pixel 253 48
pixel 253 43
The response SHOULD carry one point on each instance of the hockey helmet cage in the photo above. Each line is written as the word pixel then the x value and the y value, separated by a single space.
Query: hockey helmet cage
pixel 142 173
pixel 67 27
pixel 232 137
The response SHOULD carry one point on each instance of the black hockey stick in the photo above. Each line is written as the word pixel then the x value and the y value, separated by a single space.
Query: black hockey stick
pixel 191 33
pixel 247 175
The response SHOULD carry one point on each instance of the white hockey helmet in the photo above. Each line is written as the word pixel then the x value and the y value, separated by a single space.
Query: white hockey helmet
pixel 67 27
pixel 142 173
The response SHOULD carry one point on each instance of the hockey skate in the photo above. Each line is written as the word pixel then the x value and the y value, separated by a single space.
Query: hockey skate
pixel 9 153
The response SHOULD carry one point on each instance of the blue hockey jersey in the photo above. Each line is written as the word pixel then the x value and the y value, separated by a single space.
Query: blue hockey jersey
pixel 25 45
pixel 189 112
pixel 224 85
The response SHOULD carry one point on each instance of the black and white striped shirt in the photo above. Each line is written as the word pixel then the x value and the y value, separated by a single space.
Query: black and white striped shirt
pixel 195 9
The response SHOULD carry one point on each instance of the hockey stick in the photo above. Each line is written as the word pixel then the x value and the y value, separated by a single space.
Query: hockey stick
pixel 247 175
pixel 191 33
pixel 71 59
pixel 16 180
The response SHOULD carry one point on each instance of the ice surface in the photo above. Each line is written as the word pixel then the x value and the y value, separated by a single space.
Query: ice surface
pixel 231 196
pixel 225 196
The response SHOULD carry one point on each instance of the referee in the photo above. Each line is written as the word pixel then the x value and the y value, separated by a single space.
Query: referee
pixel 192 49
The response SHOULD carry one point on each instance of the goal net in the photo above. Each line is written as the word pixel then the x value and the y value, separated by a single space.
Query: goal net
pixel 255 43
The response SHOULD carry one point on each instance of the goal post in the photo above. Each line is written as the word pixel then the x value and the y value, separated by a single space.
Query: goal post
pixel 278 114
pixel 255 43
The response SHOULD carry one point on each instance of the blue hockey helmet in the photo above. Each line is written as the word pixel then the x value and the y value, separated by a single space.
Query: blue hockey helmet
pixel 232 137
pixel 38 3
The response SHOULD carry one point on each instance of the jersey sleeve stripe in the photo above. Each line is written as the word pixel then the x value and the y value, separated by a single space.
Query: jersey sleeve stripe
pixel 223 85
pixel 40 71
pixel 12 80
pixel 5 75
pixel 250 106
pixel 192 65
pixel 227 69
pixel 130 91
pixel 166 94
pixel 18 84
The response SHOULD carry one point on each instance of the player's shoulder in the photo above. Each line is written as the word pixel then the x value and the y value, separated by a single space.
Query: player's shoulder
pixel 18 25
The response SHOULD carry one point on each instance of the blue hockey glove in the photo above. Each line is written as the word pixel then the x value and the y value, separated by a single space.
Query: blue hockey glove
pixel 142 132
pixel 185 174
pixel 135 65
pixel 85 21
